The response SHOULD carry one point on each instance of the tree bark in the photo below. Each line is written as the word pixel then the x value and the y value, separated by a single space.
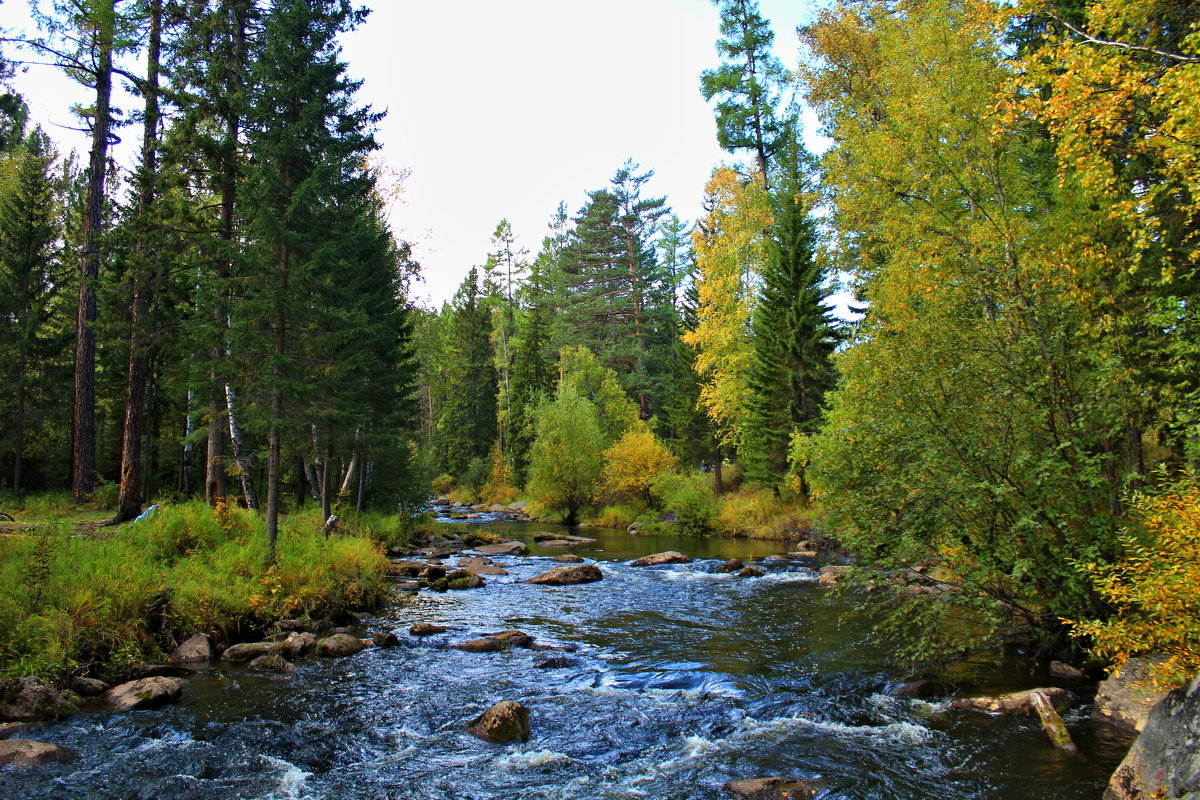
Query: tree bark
pixel 83 423
pixel 129 500
pixel 277 402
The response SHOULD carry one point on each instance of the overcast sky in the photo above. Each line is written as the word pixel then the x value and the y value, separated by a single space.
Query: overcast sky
pixel 504 109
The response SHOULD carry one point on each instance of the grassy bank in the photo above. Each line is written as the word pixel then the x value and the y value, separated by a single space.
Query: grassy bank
pixel 76 599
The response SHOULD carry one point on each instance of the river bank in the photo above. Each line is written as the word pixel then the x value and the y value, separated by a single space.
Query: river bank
pixel 680 678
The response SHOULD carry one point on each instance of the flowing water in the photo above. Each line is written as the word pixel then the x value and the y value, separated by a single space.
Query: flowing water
pixel 680 680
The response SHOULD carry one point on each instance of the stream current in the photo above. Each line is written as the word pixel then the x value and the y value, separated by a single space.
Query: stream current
pixel 681 679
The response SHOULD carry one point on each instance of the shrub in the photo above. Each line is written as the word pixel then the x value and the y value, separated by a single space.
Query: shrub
pixel 689 498
pixel 619 515
pixel 498 488
pixel 1154 588
pixel 632 463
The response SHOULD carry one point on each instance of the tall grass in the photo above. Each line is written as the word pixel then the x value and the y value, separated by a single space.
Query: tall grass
pixel 99 603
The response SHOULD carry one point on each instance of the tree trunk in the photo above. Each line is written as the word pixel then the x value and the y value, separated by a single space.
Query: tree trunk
pixel 185 456
pixel 326 488
pixel 362 486
pixel 241 453
pixel 273 456
pixel 718 478
pixel 83 423
pixel 314 485
pixel 129 500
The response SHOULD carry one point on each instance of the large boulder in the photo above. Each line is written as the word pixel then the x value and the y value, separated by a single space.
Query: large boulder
pixel 88 687
pixel 1164 761
pixel 773 789
pixel 340 644
pixel 669 557
pixel 246 652
pixel 1018 703
pixel 505 722
pixel 298 644
pixel 463 579
pixel 1126 697
pixel 27 699
pixel 146 693
pixel 502 549
pixel 27 754
pixel 568 575
pixel 196 649
pixel 732 565
pixel 492 643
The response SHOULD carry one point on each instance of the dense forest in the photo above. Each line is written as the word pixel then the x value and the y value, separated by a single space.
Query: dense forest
pixel 1008 192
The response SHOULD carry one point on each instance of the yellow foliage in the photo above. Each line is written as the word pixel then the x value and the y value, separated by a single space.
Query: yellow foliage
pixel 633 462
pixel 1155 589
pixel 732 245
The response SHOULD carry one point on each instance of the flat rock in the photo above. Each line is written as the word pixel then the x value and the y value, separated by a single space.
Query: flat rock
pixel 27 754
pixel 196 649
pixel 481 566
pixel 427 629
pixel 502 549
pixel 495 642
pixel 144 693
pixel 246 652
pixel 340 644
pixel 773 789
pixel 1164 760
pixel 30 699
pixel 1126 697
pixel 751 572
pixel 569 558
pixel 568 575
pixel 506 721
pixel 804 554
pixel 669 557
pixel 1020 703
pixel 13 730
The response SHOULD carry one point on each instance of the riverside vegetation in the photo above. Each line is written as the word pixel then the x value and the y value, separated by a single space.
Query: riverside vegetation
pixel 1010 409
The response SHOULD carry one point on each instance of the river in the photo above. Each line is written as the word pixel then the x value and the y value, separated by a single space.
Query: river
pixel 681 679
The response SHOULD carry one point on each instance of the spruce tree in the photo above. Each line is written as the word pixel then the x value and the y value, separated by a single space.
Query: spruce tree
pixel 468 425
pixel 31 281
pixel 308 141
pixel 793 335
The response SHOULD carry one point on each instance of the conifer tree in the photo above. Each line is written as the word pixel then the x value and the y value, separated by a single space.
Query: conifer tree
pixel 31 280
pixel 468 425
pixel 746 84
pixel 308 140
pixel 792 332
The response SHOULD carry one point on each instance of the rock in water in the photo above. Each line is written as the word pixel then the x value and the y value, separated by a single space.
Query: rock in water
pixel 568 575
pixel 146 693
pixel 297 644
pixel 773 789
pixel 732 565
pixel 246 652
pixel 502 549
pixel 1014 702
pixel 427 629
pixel 88 687
pixel 27 754
pixel 28 699
pixel 340 644
pixel 273 662
pixel 751 572
pixel 669 557
pixel 1126 697
pixel 832 574
pixel 507 721
pixel 569 558
pixel 505 640
pixel 1164 761
pixel 1065 672
pixel 195 649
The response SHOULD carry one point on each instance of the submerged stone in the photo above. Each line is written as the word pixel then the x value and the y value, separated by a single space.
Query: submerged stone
pixel 506 721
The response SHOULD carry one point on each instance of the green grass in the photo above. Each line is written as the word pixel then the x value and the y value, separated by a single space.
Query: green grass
pixel 99 602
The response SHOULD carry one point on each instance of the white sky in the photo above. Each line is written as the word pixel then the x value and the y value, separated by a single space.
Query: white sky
pixel 503 109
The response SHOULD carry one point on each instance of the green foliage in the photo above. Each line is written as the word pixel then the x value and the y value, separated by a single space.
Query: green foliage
pixel 70 603
pixel 567 452
pixel 689 499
